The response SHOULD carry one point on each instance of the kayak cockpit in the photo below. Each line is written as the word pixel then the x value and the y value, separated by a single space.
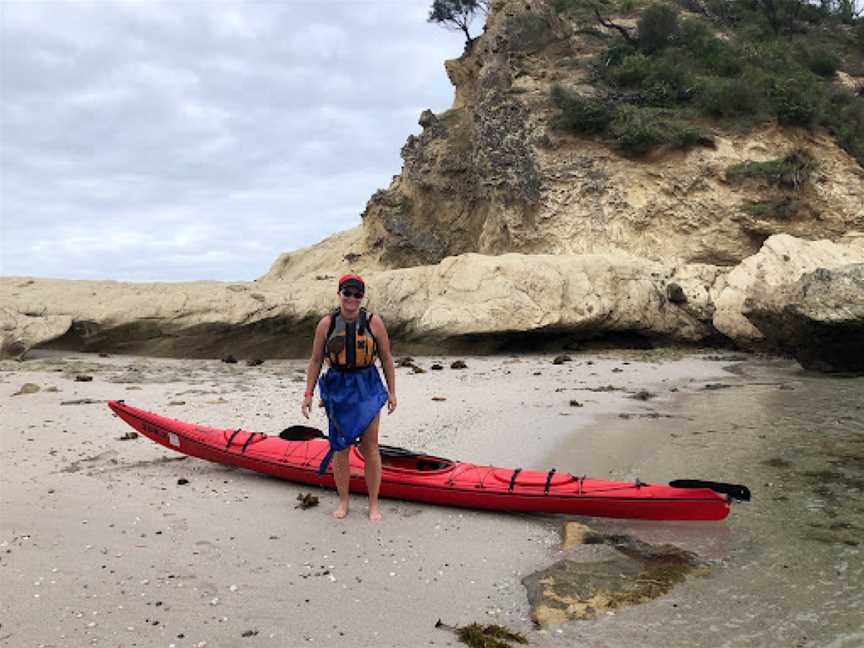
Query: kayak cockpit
pixel 393 458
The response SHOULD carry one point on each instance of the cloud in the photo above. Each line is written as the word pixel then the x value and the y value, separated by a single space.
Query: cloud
pixel 182 141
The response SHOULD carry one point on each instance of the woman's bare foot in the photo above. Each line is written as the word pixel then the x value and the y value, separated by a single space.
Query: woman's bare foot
pixel 340 512
pixel 375 515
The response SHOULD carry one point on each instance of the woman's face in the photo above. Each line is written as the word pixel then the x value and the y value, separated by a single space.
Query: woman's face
pixel 350 298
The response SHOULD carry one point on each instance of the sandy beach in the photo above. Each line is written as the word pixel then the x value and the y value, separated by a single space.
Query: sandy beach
pixel 101 545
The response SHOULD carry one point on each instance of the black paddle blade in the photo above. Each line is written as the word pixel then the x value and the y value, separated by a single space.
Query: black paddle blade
pixel 735 491
pixel 301 433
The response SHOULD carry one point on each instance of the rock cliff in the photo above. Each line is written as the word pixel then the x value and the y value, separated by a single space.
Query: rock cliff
pixel 492 175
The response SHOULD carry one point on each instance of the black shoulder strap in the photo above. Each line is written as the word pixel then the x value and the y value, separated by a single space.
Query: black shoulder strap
pixel 330 330
pixel 361 321
pixel 332 326
pixel 367 323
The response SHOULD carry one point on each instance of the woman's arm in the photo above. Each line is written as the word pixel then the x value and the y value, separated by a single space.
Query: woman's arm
pixel 380 332
pixel 315 362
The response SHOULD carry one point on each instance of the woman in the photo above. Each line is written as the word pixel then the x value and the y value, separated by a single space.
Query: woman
pixel 351 390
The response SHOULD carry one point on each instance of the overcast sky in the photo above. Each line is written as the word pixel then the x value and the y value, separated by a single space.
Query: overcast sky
pixel 185 140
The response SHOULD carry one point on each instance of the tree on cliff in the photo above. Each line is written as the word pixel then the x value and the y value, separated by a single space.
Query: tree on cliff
pixel 458 15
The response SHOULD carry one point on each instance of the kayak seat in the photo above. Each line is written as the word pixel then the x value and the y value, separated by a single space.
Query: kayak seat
pixel 431 464
pixel 532 478
pixel 301 433
pixel 402 459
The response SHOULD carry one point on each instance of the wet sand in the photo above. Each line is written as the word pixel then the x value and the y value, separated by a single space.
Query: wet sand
pixel 100 544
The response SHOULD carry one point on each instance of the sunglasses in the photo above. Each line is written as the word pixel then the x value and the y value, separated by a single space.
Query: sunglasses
pixel 352 294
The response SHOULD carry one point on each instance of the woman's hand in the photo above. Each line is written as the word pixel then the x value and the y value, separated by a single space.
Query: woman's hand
pixel 307 403
pixel 391 403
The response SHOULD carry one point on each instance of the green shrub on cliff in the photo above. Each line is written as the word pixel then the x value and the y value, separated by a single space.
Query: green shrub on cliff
pixel 580 114
pixel 822 62
pixel 797 99
pixel 657 28
pixel 783 208
pixel 720 97
pixel 753 61
pixel 791 171
pixel 845 119
pixel 637 131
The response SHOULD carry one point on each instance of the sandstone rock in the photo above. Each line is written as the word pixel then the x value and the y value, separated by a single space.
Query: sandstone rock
pixel 574 534
pixel 27 388
pixel 23 327
pixel 781 261
pixel 583 589
pixel 819 318
pixel 470 300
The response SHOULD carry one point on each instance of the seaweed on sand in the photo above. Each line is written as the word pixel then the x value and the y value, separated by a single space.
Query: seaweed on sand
pixel 477 635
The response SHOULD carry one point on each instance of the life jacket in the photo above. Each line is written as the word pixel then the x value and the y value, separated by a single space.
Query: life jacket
pixel 350 345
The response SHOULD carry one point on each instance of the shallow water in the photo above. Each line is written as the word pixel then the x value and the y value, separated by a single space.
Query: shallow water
pixel 788 566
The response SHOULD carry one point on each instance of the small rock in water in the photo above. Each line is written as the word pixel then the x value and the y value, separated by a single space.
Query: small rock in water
pixel 249 633
pixel 27 388
pixel 104 355
pixel 641 572
pixel 128 436
pixel 436 367
pixel 254 362
pixel 229 359
pixel 439 398
pixel 83 378
pixel 459 364
pixel 182 481
pixel 172 403
pixel 417 370
pixel 575 403
pixel 561 359
pixel 405 362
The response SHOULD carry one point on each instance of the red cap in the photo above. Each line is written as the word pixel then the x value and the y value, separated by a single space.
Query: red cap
pixel 351 279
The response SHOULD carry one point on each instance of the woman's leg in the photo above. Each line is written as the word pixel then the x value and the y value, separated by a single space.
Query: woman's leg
pixel 372 460
pixel 342 476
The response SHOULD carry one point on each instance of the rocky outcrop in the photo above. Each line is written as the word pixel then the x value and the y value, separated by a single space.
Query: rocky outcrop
pixel 472 300
pixel 780 262
pixel 491 175
pixel 819 318
pixel 603 572
pixel 199 319
pixel 469 302
pixel 22 329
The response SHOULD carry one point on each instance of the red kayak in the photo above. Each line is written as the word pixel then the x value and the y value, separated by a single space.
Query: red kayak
pixel 296 453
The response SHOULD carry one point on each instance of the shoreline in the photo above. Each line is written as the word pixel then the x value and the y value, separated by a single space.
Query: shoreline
pixel 98 530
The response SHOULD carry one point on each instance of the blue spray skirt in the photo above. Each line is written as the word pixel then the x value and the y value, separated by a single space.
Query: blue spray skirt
pixel 352 400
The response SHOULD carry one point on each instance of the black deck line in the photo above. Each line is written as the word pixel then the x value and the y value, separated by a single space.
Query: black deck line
pixel 248 441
